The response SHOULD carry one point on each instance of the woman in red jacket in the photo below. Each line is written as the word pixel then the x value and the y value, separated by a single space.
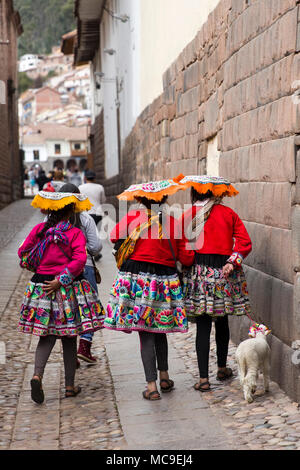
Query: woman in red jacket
pixel 146 295
pixel 215 286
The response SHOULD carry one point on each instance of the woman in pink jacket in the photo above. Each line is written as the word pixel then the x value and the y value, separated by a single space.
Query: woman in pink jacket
pixel 58 302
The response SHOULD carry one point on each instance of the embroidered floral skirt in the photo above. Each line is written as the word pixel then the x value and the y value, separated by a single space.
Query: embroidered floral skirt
pixel 70 311
pixel 146 297
pixel 206 291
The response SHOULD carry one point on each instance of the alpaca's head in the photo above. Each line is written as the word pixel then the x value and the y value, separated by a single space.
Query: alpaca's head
pixel 258 330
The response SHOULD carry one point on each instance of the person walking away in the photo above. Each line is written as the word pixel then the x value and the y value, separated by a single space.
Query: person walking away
pixel 86 223
pixel 146 295
pixel 75 177
pixel 215 286
pixel 58 302
pixel 96 194
pixel 42 180
pixel 58 180
pixel 32 180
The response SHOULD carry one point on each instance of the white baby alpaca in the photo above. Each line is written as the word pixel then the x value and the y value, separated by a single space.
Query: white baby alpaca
pixel 253 355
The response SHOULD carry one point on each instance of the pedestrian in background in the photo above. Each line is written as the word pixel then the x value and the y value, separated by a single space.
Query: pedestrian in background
pixel 42 180
pixel 93 244
pixel 146 294
pixel 58 302
pixel 96 194
pixel 75 177
pixel 215 286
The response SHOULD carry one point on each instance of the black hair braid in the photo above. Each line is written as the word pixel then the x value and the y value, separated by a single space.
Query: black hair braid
pixel 150 202
pixel 195 196
pixel 54 217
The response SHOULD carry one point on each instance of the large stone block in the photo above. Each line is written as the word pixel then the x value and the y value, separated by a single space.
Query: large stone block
pixel 275 43
pixel 264 87
pixel 177 149
pixel 165 148
pixel 250 128
pixel 211 116
pixel 296 307
pixel 264 203
pixel 191 76
pixel 272 303
pixel 188 101
pixel 177 128
pixel 191 122
pixel 273 160
pixel 191 146
pixel 272 251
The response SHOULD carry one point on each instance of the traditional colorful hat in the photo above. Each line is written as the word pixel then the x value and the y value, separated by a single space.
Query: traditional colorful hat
pixel 155 190
pixel 202 183
pixel 54 201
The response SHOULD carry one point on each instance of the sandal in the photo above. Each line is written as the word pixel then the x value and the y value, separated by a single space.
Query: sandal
pixel 151 395
pixel 37 393
pixel 170 385
pixel 73 392
pixel 224 374
pixel 200 387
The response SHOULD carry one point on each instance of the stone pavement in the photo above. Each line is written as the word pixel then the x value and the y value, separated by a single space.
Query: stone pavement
pixel 110 412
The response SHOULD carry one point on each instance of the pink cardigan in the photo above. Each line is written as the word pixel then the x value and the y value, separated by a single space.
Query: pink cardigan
pixel 54 261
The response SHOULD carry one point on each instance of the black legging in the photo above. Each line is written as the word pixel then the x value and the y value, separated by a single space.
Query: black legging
pixel 154 346
pixel 43 351
pixel 204 323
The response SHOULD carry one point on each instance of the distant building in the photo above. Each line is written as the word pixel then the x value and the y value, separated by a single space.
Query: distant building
pixel 35 101
pixel 11 184
pixel 41 65
pixel 51 145
pixel 28 62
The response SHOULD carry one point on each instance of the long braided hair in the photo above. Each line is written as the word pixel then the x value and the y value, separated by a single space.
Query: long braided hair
pixel 67 213
pixel 54 217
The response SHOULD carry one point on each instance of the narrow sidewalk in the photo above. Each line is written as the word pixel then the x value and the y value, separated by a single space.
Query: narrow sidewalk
pixel 181 419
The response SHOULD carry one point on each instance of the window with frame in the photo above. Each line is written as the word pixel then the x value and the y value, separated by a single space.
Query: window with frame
pixel 36 154
pixel 77 146
pixel 57 148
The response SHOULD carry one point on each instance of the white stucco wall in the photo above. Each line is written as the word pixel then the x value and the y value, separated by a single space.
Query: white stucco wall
pixel 29 157
pixel 167 27
pixel 121 82
pixel 65 149
pixel 144 47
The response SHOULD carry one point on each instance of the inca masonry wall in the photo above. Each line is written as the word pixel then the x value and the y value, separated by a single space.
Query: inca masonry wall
pixel 236 80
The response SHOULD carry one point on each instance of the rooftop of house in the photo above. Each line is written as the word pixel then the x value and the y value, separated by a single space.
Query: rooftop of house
pixel 40 133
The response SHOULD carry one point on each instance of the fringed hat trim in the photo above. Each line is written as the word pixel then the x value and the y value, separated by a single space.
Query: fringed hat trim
pixel 55 201
pixel 202 184
pixel 154 190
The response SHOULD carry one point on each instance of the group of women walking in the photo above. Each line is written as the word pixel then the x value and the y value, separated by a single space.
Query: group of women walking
pixel 170 271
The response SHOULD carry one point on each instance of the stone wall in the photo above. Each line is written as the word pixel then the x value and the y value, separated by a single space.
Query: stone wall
pixel 11 185
pixel 112 186
pixel 235 81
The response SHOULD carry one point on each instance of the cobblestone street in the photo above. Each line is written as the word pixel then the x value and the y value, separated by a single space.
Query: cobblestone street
pixel 110 412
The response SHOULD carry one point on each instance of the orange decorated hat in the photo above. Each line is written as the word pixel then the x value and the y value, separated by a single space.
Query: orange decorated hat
pixel 220 187
pixel 154 190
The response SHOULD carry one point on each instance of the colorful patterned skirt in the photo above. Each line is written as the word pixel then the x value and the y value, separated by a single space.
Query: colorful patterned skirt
pixel 206 291
pixel 146 297
pixel 70 311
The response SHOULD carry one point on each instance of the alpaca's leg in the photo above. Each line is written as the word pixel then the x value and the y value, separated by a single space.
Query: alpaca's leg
pixel 266 372
pixel 250 384
pixel 241 365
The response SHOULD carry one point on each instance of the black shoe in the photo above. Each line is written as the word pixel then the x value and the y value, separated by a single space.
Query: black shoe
pixel 37 393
